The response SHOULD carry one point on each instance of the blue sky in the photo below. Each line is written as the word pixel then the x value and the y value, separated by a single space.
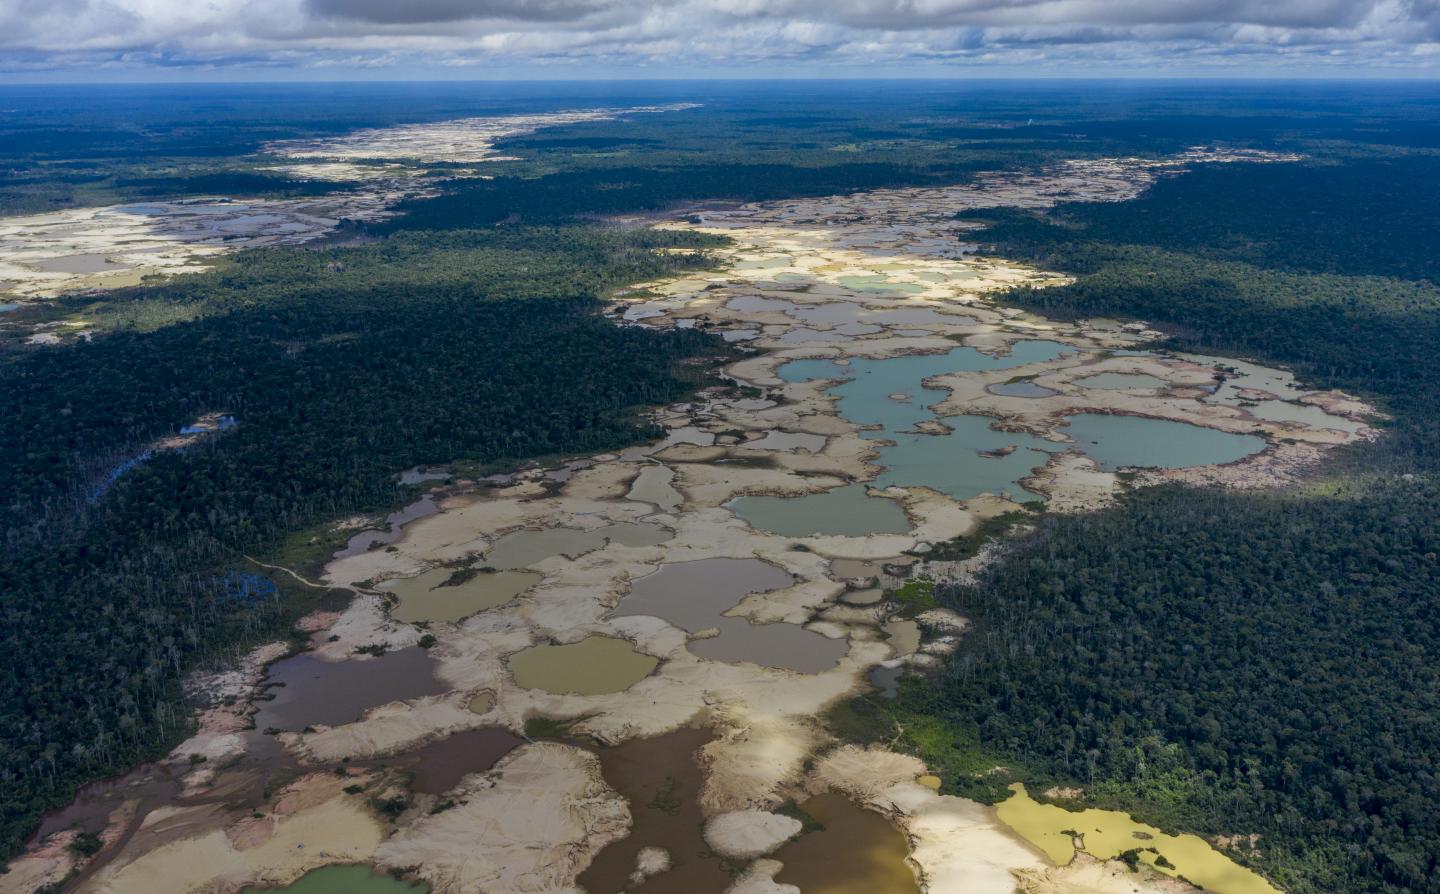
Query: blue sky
pixel 186 40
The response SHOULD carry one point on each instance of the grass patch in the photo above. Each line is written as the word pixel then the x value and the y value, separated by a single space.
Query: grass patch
pixel 551 728
pixel 950 750
pixel 914 596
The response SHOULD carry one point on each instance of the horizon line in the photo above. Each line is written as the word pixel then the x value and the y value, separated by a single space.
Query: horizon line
pixel 1289 77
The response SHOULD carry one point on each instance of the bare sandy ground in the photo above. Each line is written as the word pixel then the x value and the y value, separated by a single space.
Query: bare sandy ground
pixel 44 255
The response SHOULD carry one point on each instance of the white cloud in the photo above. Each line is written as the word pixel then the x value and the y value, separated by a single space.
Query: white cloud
pixel 697 34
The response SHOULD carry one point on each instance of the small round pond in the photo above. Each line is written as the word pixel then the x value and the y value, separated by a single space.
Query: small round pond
pixel 596 665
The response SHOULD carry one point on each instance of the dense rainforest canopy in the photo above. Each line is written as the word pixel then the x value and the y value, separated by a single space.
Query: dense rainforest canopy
pixel 1235 664
pixel 1221 662
pixel 341 368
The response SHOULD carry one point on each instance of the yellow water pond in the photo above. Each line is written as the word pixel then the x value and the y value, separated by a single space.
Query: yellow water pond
pixel 1106 834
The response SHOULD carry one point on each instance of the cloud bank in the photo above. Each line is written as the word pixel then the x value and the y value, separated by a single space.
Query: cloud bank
pixel 697 37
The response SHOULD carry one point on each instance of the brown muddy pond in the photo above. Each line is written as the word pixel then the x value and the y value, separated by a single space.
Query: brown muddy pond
pixel 636 534
pixel 771 645
pixel 653 485
pixel 304 691
pixel 438 767
pixel 869 596
pixel 661 779
pixel 903 636
pixel 395 522
pixel 691 595
pixel 524 548
pixel 147 788
pixel 858 852
pixel 445 595
pixel 695 595
pixel 594 666
pixel 149 784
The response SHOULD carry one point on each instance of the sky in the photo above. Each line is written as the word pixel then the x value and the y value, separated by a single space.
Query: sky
pixel 187 40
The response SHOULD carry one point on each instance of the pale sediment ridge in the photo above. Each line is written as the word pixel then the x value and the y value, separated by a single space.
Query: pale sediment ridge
pixel 44 255
pixel 126 243
pixel 461 141
pixel 647 556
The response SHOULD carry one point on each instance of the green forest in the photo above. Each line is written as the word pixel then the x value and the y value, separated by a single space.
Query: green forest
pixel 1231 663
pixel 1225 663
pixel 341 367
pixel 436 337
